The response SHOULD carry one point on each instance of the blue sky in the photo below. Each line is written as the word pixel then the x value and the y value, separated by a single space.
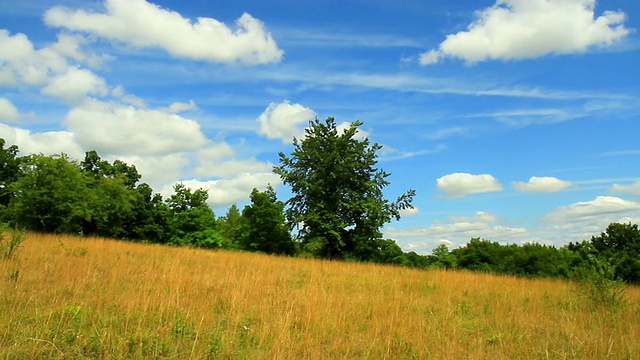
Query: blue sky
pixel 514 121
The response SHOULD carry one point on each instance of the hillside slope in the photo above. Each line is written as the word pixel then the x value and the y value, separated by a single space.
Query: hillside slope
pixel 64 297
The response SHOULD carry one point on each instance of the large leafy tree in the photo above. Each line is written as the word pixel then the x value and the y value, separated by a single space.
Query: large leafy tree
pixel 618 245
pixel 51 195
pixel 338 203
pixel 264 226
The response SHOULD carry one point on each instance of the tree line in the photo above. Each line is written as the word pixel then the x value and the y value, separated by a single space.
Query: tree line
pixel 337 211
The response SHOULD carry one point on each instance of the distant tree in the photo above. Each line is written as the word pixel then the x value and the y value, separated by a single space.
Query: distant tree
pixel 618 245
pixel 264 226
pixel 113 196
pixel 443 257
pixel 51 195
pixel 416 260
pixel 481 255
pixel 338 204
pixel 150 217
pixel 10 171
pixel 93 164
pixel 192 221
pixel 389 252
pixel 230 225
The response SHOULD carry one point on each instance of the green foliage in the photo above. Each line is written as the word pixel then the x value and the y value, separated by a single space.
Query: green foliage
pixel 192 221
pixel 388 252
pixel 230 225
pixel 443 257
pixel 53 196
pixel 598 284
pixel 264 226
pixel 10 171
pixel 93 164
pixel 619 245
pixel 338 204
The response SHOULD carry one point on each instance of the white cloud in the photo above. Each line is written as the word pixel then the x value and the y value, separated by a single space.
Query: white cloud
pixel 410 211
pixel 462 184
pixel 179 107
pixel 282 121
pixel 112 128
pixel 543 184
pixel 69 45
pixel 55 68
pixel 345 125
pixel 626 189
pixel 581 220
pixel 8 111
pixel 521 29
pixel 220 160
pixel 225 192
pixel 146 25
pixel 457 231
pixel 75 85
pixel 48 143
pixel 602 208
pixel 22 64
pixel 157 170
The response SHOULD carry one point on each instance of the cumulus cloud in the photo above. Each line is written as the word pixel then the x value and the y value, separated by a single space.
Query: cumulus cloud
pixel 543 184
pixel 179 107
pixel 626 189
pixel 114 128
pixel 146 25
pixel 457 231
pixel 75 85
pixel 21 63
pixel 410 211
pixel 345 125
pixel 56 67
pixel 283 120
pixel 51 142
pixel 157 170
pixel 603 208
pixel 581 220
pixel 221 160
pixel 224 192
pixel 521 29
pixel 8 111
pixel 462 184
pixel 69 45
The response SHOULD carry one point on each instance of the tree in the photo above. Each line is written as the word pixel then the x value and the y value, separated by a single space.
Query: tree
pixel 150 217
pixel 230 225
pixel 338 204
pixel 192 221
pixel 9 172
pixel 443 257
pixel 619 244
pixel 93 164
pixel 264 227
pixel 51 196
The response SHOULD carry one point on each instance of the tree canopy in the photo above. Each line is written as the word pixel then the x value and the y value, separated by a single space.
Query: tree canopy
pixel 264 228
pixel 338 203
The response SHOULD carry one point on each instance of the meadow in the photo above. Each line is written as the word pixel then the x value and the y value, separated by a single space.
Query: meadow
pixel 76 298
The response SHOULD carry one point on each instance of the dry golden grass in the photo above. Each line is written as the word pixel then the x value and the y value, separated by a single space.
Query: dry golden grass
pixel 63 297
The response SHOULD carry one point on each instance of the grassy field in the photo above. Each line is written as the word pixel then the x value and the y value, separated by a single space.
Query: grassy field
pixel 63 297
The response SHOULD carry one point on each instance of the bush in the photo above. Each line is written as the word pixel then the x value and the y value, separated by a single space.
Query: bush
pixel 599 285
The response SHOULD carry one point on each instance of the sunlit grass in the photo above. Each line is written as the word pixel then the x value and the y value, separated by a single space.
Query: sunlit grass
pixel 63 297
